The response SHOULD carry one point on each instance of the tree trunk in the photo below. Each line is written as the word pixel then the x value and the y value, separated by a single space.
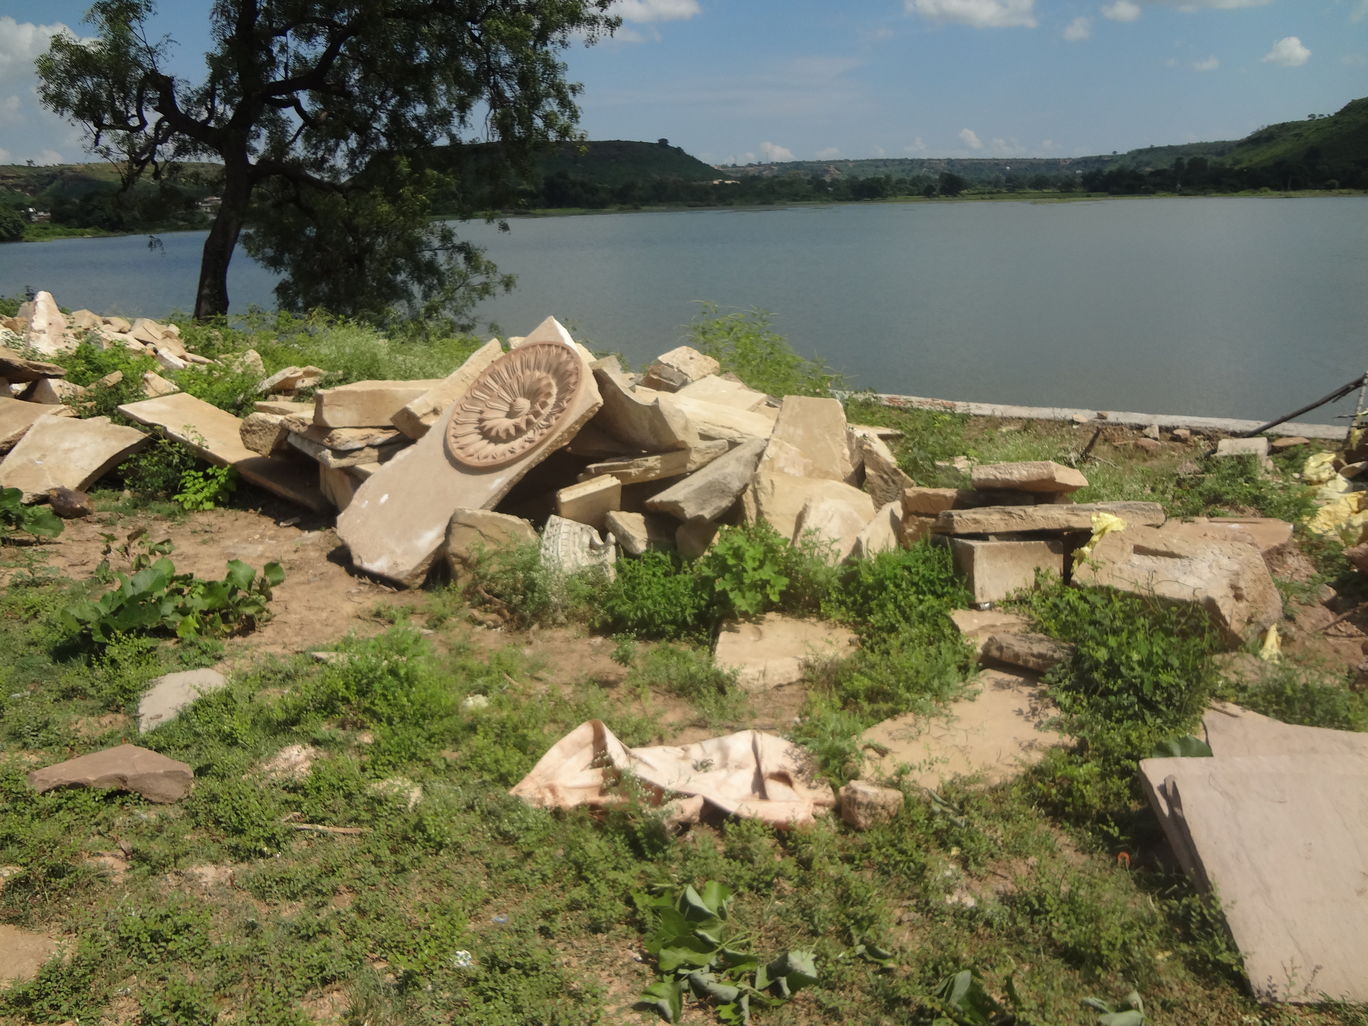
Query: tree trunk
pixel 211 299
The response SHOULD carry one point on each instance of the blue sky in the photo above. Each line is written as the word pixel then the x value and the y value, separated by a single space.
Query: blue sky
pixel 744 80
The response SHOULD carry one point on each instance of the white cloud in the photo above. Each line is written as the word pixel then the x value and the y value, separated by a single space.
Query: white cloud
pixel 1288 52
pixel 1360 11
pixel 1079 28
pixel 917 145
pixel 1047 145
pixel 879 151
pixel 978 13
pixel 970 138
pixel 1218 5
pixel 31 132
pixel 774 152
pixel 1210 64
pixel 828 153
pixel 1122 10
pixel 1354 59
pixel 645 11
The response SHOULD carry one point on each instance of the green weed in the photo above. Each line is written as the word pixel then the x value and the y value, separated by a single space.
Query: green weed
pixel 744 344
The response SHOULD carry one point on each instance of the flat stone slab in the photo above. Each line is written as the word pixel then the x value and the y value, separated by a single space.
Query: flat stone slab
pixel 991 736
pixel 368 403
pixel 1232 730
pixel 657 466
pixel 1227 579
pixel 18 369
pixel 17 416
pixel 1061 517
pixel 172 692
pixel 63 452
pixel 1282 841
pixel 773 651
pixel 22 953
pixel 1266 534
pixel 1040 476
pixel 124 768
pixel 417 415
pixel 216 437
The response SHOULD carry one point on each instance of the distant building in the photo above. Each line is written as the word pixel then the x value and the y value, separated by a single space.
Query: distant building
pixel 36 216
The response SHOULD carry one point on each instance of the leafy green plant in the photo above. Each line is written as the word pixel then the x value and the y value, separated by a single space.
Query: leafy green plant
pixel 653 596
pixel 1128 1012
pixel 155 599
pixel 1239 485
pixel 206 488
pixel 744 344
pixel 691 939
pixel 37 521
pixel 742 573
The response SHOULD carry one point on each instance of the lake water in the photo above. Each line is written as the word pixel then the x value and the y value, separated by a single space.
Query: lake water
pixel 1236 307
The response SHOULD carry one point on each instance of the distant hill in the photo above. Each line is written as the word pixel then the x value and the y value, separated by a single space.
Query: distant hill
pixel 1322 148
pixel 975 170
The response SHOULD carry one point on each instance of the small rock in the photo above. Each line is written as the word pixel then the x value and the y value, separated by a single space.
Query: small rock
pixel 1152 431
pixel 1034 652
pixel 69 504
pixel 293 762
pixel 1291 442
pixel 1182 435
pixel 172 692
pixel 124 768
pixel 865 805
pixel 1148 444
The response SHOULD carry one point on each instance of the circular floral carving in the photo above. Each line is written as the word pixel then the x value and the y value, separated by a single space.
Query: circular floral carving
pixel 516 402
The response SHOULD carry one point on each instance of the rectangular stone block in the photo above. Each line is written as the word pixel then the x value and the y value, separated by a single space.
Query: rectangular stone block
pixel 992 570
pixel 589 502
pixel 1051 517
pixel 367 403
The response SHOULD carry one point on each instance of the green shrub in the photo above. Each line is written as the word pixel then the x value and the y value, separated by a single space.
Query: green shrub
pixel 1239 485
pixel 206 488
pixel 742 573
pixel 37 521
pixel 1294 694
pixel 653 596
pixel 744 344
pixel 512 582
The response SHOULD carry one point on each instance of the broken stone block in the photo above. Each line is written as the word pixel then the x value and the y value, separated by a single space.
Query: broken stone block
pixel 289 380
pixel 69 504
pixel 53 391
pixel 1227 579
pixel 172 692
pixel 884 480
pixel 933 501
pixel 367 403
pixel 774 650
pixel 991 736
pixel 169 360
pixel 1059 518
pixel 567 547
pixel 154 385
pixel 657 466
pixel 1257 447
pixel 883 533
pixel 17 416
pixel 284 408
pixel 705 421
pixel 1290 442
pixel 809 440
pixel 711 491
pixel 523 407
pixel 62 452
pixel 417 415
pixel 643 423
pixel 864 805
pixel 993 570
pixel 834 522
pixel 679 367
pixel 976 626
pixel 339 459
pixel 121 325
pixel 264 433
pixel 124 768
pixel 1267 534
pixel 345 439
pixel 47 326
pixel 339 484
pixel 473 532
pixel 637 533
pixel 779 499
pixel 147 331
pixel 18 369
pixel 727 391
pixel 551 330
pixel 693 537
pixel 1038 476
pixel 590 501
pixel 84 320
pixel 1033 652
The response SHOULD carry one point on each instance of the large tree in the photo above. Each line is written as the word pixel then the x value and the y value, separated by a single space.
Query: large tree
pixel 323 114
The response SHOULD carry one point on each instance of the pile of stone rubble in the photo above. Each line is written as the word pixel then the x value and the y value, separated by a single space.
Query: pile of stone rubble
pixel 542 433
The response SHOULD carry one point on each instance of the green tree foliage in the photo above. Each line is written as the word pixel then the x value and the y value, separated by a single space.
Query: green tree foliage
pixel 307 103
pixel 11 225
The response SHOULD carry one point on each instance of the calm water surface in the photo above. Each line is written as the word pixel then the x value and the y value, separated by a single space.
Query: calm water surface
pixel 1221 307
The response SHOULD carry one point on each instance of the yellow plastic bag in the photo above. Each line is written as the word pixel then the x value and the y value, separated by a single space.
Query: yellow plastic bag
pixel 1271 649
pixel 1103 524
